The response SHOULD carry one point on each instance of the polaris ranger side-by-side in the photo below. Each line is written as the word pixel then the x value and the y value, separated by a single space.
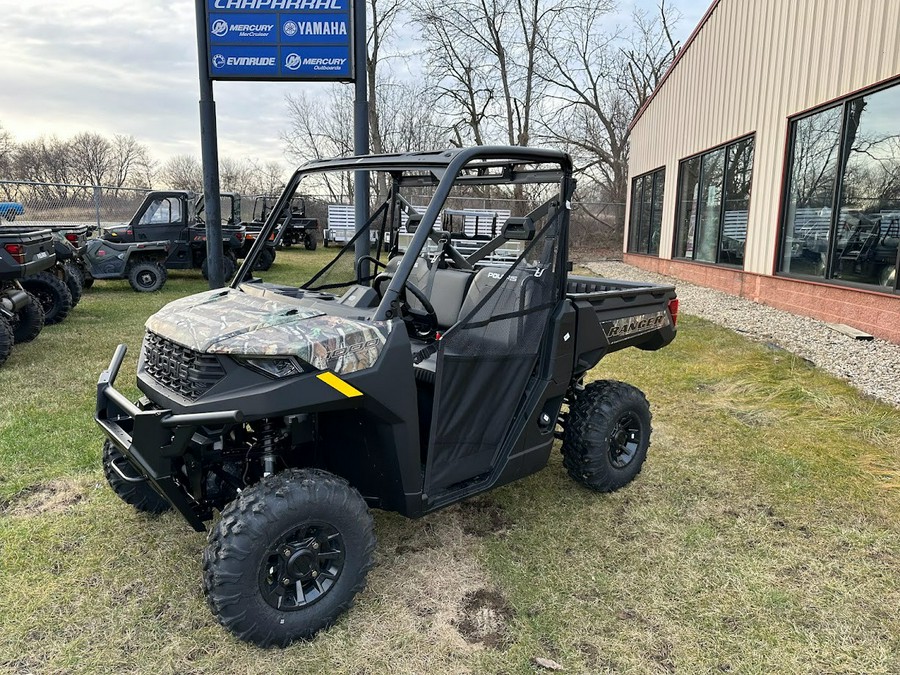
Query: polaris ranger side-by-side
pixel 401 382
pixel 174 218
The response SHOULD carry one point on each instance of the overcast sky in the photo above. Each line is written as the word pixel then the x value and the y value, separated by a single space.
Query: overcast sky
pixel 131 68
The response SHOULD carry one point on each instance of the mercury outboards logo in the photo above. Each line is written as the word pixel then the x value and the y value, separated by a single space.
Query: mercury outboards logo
pixel 294 61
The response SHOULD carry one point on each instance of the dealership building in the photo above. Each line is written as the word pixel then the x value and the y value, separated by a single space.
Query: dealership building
pixel 767 161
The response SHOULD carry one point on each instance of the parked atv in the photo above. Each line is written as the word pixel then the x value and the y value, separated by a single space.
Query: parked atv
pixel 23 254
pixel 176 217
pixel 55 285
pixel 293 409
pixel 294 229
pixel 143 264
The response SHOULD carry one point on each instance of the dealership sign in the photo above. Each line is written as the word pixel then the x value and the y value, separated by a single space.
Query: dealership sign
pixel 280 39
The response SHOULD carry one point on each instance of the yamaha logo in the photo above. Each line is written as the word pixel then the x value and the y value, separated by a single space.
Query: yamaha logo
pixel 218 61
pixel 290 28
pixel 293 61
pixel 220 28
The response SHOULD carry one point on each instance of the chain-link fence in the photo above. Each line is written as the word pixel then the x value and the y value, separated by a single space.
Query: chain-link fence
pixel 596 228
pixel 64 203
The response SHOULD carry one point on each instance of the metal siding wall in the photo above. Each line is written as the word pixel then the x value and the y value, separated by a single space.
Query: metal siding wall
pixel 754 64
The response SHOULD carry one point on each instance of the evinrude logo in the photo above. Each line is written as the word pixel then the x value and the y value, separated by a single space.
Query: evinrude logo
pixel 220 61
pixel 621 329
pixel 278 4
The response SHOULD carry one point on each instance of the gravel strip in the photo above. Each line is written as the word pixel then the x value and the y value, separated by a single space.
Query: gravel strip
pixel 873 366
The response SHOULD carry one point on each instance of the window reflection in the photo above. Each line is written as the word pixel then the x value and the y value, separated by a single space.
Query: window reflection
pixel 852 149
pixel 713 203
pixel 646 212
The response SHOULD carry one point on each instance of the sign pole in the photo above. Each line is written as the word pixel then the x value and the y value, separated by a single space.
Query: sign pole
pixel 360 133
pixel 210 154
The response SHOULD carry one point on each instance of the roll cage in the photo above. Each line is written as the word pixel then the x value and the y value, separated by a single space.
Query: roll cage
pixel 443 170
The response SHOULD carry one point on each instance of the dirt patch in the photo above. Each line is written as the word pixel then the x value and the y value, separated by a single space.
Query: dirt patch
pixel 54 497
pixel 481 517
pixel 484 617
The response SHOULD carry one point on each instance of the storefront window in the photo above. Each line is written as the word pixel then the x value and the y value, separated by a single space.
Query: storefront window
pixel 646 212
pixel 713 203
pixel 842 219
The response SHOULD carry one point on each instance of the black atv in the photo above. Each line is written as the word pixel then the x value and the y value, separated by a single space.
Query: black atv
pixel 143 264
pixel 401 382
pixel 176 217
pixel 23 254
pixel 57 285
pixel 293 227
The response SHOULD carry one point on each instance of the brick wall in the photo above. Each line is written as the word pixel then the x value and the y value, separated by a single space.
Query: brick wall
pixel 870 311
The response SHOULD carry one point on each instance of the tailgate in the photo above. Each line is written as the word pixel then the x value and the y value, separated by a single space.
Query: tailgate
pixel 25 251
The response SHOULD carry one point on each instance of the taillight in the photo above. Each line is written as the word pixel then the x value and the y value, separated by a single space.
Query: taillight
pixel 72 237
pixel 239 235
pixel 17 251
pixel 673 310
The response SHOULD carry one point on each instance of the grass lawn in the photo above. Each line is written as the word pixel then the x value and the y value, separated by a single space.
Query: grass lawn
pixel 763 535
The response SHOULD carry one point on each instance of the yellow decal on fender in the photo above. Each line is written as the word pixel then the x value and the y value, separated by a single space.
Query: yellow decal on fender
pixel 335 382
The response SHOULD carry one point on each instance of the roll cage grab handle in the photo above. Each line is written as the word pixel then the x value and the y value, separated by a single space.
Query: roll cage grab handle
pixel 448 171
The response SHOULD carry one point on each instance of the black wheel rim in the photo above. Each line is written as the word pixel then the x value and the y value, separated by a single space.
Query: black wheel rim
pixel 625 440
pixel 302 567
pixel 146 279
pixel 46 298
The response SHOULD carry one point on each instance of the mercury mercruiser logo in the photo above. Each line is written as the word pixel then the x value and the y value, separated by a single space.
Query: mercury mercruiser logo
pixel 220 28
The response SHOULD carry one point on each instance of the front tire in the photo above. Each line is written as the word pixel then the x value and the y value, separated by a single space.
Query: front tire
pixel 138 495
pixel 74 282
pixel 53 295
pixel 29 321
pixel 288 556
pixel 6 340
pixel 607 435
pixel 146 277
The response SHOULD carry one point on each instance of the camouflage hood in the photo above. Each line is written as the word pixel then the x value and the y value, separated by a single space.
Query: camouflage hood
pixel 228 321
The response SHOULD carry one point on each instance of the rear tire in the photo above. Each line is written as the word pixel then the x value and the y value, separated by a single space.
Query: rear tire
pixel 266 259
pixel 29 321
pixel 228 267
pixel 6 340
pixel 52 293
pixel 74 282
pixel 146 276
pixel 288 556
pixel 138 495
pixel 607 435
pixel 311 241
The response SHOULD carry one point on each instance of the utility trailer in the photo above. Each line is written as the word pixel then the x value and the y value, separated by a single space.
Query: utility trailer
pixel 404 382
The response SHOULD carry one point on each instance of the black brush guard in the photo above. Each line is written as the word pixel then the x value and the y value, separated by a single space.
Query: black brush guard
pixel 151 440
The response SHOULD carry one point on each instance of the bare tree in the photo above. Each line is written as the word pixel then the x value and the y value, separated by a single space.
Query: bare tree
pixel 130 164
pixel 46 159
pixel 599 80
pixel 183 172
pixel 91 158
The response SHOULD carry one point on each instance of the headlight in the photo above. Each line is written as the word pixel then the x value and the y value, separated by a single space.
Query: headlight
pixel 277 366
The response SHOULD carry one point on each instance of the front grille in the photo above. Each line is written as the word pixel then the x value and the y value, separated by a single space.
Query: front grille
pixel 180 369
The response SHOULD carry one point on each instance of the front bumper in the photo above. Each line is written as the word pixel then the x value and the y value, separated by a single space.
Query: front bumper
pixel 157 443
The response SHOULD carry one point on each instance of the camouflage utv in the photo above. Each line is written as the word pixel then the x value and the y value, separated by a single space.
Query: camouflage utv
pixel 404 380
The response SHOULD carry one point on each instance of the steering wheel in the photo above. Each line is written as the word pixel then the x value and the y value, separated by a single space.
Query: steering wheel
pixel 422 324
